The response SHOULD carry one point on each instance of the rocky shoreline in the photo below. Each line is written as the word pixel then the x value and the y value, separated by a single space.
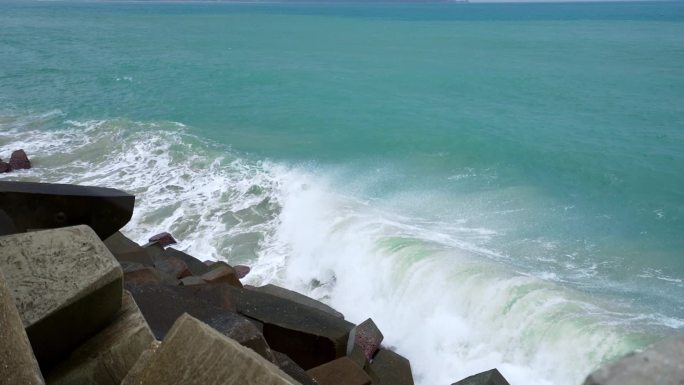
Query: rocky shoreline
pixel 83 304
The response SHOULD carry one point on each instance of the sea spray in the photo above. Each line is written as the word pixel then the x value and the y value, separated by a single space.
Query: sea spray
pixel 450 312
pixel 437 297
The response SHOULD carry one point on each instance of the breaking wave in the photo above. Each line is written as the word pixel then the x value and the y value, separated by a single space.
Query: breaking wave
pixel 439 302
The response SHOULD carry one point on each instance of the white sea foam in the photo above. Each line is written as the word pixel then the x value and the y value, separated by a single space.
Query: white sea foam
pixel 452 313
pixel 437 293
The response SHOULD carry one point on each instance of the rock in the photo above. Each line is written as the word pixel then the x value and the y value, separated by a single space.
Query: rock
pixel 195 354
pixel 195 265
pixel 163 239
pixel 222 274
pixel 142 275
pixel 65 284
pixel 342 371
pixel 19 160
pixel 296 297
pixel 59 205
pixel 162 305
pixel 661 364
pixel 290 367
pixel 172 266
pixel 192 280
pixel 490 377
pixel 17 362
pixel 4 167
pixel 390 368
pixel 309 336
pixel 241 270
pixel 106 358
pixel 367 336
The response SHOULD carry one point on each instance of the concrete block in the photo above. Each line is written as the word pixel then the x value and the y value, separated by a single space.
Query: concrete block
pixel 221 273
pixel 143 360
pixel 662 364
pixel 366 336
pixel 162 304
pixel 192 280
pixel 118 243
pixel 212 304
pixel 49 206
pixel 357 355
pixel 390 368
pixel 295 371
pixel 297 297
pixel 106 358
pixel 172 265
pixel 341 371
pixel 243 331
pixel 18 365
pixel 195 354
pixel 141 275
pixel 490 377
pixel 195 265
pixel 308 336
pixel 66 285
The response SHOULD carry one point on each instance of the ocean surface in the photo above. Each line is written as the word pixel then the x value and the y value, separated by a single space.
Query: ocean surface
pixel 496 185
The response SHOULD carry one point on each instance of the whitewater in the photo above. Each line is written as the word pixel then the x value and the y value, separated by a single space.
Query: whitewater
pixel 496 185
pixel 434 288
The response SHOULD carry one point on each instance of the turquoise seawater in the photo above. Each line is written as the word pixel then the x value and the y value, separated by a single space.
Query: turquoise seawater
pixel 495 184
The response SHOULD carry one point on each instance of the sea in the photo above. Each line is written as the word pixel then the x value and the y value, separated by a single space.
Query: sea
pixel 495 185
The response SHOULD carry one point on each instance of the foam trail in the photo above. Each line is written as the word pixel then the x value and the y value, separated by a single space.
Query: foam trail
pixel 203 194
pixel 427 285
